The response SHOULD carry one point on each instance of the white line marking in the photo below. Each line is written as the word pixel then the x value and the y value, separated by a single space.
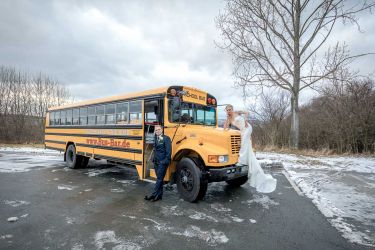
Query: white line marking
pixel 298 191
pixel 360 179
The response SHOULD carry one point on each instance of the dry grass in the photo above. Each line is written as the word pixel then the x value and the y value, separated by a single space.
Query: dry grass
pixel 22 145
pixel 306 152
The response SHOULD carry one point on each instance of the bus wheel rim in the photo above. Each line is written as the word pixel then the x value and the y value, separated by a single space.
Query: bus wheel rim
pixel 187 179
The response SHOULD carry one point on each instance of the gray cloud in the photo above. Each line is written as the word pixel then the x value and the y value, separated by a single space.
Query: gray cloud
pixel 101 48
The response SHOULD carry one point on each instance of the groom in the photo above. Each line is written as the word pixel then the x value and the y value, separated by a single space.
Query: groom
pixel 162 158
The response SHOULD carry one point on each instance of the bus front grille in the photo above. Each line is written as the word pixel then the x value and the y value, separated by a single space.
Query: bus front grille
pixel 235 141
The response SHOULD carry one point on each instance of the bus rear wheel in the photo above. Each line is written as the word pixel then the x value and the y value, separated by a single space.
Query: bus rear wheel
pixel 190 183
pixel 72 159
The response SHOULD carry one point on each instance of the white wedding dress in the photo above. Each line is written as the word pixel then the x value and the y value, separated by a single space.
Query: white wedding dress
pixel 264 183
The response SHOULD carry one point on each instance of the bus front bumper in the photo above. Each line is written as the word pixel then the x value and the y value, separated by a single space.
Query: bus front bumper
pixel 226 173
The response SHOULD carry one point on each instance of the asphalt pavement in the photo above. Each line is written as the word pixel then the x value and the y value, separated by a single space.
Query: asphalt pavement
pixel 102 207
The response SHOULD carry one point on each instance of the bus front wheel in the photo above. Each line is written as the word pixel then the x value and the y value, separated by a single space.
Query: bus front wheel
pixel 72 159
pixel 190 183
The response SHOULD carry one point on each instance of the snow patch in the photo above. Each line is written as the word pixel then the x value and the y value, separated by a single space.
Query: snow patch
pixel 171 210
pixel 220 208
pixel 237 219
pixel 212 237
pixel 202 216
pixel 12 219
pixel 24 216
pixel 262 200
pixel 16 203
pixel 117 190
pixel 7 236
pixel 66 187
pixel 252 221
pixel 126 182
pixel 104 238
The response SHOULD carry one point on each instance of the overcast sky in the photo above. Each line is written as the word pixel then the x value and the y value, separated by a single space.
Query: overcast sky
pixel 103 48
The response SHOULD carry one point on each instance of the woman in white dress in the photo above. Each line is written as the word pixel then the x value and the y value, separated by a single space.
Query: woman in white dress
pixel 263 183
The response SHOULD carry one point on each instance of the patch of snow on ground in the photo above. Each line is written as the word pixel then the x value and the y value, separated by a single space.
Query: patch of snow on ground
pixel 171 210
pixel 12 219
pixel 253 221
pixel 7 236
pixel 66 187
pixel 237 219
pixel 342 187
pixel 24 216
pixel 220 208
pixel 262 200
pixel 16 203
pixel 109 240
pixel 126 182
pixel 96 172
pixel 117 190
pixel 202 216
pixel 212 237
pixel 32 158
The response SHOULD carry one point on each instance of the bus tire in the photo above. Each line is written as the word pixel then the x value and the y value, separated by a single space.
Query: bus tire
pixel 72 159
pixel 190 183
pixel 85 161
pixel 238 181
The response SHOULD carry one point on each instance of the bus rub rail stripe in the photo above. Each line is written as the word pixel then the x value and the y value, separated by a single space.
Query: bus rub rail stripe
pixel 130 137
pixel 130 150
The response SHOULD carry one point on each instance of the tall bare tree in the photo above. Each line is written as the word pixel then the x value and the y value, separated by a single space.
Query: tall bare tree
pixel 284 43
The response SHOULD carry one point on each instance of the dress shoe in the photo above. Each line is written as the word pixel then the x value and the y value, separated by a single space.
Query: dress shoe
pixel 149 197
pixel 157 198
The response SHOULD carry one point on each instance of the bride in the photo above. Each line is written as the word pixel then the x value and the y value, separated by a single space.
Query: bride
pixel 263 183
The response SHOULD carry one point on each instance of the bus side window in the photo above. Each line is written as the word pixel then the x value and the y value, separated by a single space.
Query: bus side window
pixel 122 113
pixel 75 117
pixel 135 112
pixel 69 117
pixel 51 118
pixel 91 116
pixel 63 117
pixel 110 113
pixel 100 115
pixel 83 116
pixel 57 118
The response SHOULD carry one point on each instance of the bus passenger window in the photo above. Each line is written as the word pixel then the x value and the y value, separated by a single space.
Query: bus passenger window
pixel 51 118
pixel 83 116
pixel 122 113
pixel 110 110
pixel 100 117
pixel 135 112
pixel 63 117
pixel 69 117
pixel 57 118
pixel 91 115
pixel 75 117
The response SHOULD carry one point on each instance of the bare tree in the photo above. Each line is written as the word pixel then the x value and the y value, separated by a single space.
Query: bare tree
pixel 24 102
pixel 283 43
pixel 270 110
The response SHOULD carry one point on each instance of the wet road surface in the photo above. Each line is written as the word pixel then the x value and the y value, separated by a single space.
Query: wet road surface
pixel 102 206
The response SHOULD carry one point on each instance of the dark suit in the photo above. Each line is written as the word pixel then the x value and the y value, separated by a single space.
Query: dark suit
pixel 162 158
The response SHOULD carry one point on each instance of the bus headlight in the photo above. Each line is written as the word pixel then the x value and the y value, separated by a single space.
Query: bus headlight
pixel 217 158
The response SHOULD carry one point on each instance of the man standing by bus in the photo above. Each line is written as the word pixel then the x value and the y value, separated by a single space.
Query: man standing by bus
pixel 162 158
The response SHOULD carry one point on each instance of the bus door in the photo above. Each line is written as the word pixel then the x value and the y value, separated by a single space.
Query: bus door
pixel 153 115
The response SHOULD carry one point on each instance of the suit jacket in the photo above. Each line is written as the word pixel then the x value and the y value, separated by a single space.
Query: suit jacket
pixel 163 150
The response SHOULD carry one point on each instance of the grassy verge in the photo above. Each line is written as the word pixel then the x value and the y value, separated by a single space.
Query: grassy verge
pixel 22 145
pixel 307 152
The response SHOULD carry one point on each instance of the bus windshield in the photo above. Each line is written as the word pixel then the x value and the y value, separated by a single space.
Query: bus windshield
pixel 191 113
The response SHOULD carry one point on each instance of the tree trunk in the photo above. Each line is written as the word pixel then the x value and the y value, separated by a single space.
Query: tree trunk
pixel 294 129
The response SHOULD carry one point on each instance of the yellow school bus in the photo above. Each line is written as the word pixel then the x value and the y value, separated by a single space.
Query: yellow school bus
pixel 120 129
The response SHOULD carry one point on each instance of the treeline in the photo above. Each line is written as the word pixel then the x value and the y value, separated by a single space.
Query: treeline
pixel 340 120
pixel 23 104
